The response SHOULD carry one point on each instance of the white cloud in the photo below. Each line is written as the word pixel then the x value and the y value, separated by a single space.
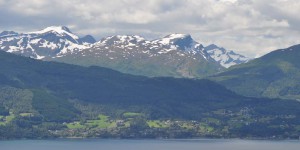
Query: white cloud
pixel 252 27
pixel 34 7
pixel 231 1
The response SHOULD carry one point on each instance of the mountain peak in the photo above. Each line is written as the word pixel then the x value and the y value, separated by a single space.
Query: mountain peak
pixel 225 57
pixel 181 40
pixel 130 37
pixel 178 36
pixel 121 39
pixel 61 30
pixel 57 28
pixel 6 33
pixel 52 41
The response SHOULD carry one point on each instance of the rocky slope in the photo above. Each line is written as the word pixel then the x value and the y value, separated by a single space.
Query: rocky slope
pixel 226 58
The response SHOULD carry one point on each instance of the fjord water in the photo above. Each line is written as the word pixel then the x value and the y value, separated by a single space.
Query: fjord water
pixel 100 144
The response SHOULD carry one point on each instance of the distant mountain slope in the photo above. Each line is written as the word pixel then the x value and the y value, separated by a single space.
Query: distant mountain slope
pixel 54 41
pixel 225 57
pixel 160 97
pixel 176 55
pixel 105 86
pixel 276 74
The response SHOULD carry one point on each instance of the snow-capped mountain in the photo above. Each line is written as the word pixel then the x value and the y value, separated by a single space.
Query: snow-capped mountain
pixel 173 55
pixel 226 58
pixel 130 45
pixel 176 55
pixel 180 42
pixel 54 41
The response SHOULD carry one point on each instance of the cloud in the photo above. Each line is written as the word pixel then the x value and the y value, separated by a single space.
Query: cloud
pixel 251 27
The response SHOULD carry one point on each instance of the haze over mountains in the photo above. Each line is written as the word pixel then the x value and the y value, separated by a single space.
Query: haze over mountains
pixel 176 55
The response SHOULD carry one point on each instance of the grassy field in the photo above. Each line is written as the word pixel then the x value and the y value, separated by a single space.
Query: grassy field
pixel 187 125
pixel 1 122
pixel 26 114
pixel 102 122
pixel 75 125
pixel 205 128
pixel 157 124
pixel 6 119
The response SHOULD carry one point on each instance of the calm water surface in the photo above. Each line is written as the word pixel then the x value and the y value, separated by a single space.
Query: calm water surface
pixel 100 144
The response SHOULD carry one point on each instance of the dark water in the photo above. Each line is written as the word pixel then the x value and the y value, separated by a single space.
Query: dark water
pixel 100 144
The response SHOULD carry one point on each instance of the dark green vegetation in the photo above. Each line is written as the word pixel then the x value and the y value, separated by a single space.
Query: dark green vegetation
pixel 276 74
pixel 159 66
pixel 53 108
pixel 47 99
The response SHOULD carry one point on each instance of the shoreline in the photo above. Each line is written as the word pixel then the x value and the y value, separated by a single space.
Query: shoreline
pixel 155 139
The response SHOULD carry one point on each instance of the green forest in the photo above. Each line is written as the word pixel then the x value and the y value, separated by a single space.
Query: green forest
pixel 41 99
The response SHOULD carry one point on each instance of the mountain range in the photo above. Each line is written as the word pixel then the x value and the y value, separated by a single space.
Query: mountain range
pixel 40 99
pixel 176 55
pixel 54 41
pixel 41 96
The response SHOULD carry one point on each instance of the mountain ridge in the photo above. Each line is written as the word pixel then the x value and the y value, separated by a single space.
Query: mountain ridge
pixel 226 58
pixel 54 41
pixel 177 55
pixel 136 55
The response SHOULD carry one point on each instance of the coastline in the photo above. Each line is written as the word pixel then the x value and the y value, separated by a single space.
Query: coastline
pixel 159 139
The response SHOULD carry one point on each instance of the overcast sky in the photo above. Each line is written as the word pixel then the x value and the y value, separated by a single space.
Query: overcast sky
pixel 250 27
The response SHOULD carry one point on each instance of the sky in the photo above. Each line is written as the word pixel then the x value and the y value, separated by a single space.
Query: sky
pixel 249 27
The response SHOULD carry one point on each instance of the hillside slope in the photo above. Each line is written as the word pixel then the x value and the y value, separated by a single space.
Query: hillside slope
pixel 47 99
pixel 276 74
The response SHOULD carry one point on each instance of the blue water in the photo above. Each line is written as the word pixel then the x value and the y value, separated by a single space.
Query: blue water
pixel 101 144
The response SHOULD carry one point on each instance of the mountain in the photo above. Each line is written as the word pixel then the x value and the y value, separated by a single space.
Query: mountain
pixel 176 55
pixel 276 74
pixel 8 33
pixel 105 86
pixel 225 57
pixel 40 99
pixel 54 41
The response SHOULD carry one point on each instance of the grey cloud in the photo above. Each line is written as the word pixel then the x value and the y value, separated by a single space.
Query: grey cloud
pixel 251 27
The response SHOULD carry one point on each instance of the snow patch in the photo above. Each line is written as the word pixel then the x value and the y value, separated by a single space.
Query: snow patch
pixel 225 57
pixel 167 40
pixel 61 30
